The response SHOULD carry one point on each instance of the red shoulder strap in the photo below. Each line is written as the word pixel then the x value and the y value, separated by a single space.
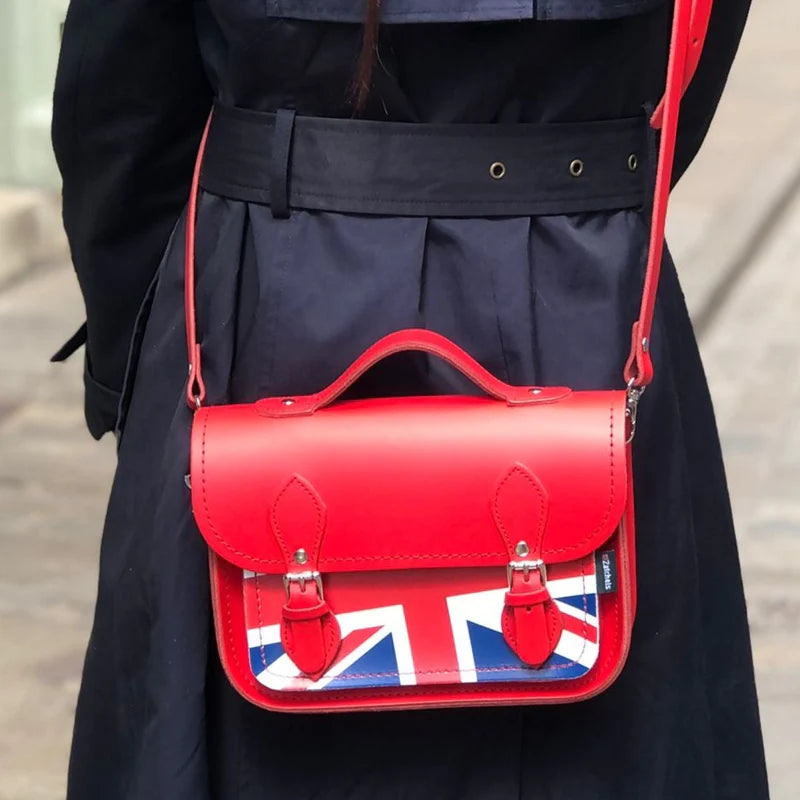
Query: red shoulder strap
pixel 195 388
pixel 698 27
pixel 689 26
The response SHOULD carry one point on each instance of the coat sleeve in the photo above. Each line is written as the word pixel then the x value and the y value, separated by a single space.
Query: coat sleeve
pixel 725 28
pixel 130 100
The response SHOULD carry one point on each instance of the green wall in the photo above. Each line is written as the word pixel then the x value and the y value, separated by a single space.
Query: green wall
pixel 29 41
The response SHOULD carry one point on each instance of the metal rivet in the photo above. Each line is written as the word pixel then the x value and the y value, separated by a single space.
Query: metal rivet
pixel 633 162
pixel 288 401
pixel 536 390
pixel 576 168
pixel 522 549
pixel 498 170
pixel 300 556
pixel 645 345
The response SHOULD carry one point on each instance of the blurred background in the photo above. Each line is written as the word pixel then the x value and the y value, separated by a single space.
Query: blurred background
pixel 734 231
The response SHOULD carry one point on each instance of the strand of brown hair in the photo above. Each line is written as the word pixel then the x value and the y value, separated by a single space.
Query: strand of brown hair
pixel 362 84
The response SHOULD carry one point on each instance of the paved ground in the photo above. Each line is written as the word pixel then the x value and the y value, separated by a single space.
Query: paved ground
pixel 54 479
pixel 53 485
pixel 752 353
pixel 750 161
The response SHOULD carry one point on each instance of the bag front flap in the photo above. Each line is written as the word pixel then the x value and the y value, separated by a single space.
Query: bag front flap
pixel 400 483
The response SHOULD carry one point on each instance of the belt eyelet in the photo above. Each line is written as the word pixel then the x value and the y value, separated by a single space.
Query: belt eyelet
pixel 498 170
pixel 576 168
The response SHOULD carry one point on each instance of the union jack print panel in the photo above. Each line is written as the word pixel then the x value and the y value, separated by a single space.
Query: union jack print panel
pixel 416 627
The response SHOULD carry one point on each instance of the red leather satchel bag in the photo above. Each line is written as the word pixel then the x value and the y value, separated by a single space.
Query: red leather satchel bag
pixel 411 552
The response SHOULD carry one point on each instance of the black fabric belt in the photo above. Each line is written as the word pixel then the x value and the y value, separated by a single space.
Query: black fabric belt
pixel 405 169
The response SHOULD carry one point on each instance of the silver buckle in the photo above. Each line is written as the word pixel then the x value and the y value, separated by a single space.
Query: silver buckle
pixel 302 578
pixel 525 567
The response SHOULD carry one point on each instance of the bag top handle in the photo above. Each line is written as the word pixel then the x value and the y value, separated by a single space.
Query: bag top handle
pixel 401 341
pixel 689 27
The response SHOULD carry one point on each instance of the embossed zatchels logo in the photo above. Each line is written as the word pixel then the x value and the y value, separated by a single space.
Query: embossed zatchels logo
pixel 606 571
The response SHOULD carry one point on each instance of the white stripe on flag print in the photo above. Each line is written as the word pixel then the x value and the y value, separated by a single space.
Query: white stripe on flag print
pixel 283 675
pixel 571 587
pixel 577 649
pixel 481 608
pixel 584 616
pixel 486 608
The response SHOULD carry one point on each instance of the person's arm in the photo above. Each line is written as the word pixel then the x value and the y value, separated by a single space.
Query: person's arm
pixel 130 100
pixel 702 97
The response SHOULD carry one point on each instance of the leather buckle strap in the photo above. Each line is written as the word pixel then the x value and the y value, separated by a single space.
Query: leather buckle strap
pixel 195 387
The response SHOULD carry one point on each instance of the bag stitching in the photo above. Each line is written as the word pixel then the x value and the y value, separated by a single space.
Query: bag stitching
pixel 318 508
pixel 207 515
pixel 263 647
pixel 231 635
pixel 542 516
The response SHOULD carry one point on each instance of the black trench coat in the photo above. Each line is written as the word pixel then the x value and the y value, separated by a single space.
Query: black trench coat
pixel 285 305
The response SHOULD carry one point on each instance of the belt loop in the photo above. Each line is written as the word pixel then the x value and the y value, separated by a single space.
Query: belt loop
pixel 279 168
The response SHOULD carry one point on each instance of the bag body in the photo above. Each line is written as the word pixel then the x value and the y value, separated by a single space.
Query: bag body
pixel 334 496
pixel 419 552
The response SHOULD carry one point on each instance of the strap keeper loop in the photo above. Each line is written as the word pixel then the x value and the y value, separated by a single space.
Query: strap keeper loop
pixel 281 162
pixel 195 388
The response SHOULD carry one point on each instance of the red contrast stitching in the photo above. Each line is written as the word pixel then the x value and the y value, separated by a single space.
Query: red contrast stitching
pixel 612 487
pixel 320 527
pixel 207 515
pixel 260 626
pixel 542 518
pixel 231 639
